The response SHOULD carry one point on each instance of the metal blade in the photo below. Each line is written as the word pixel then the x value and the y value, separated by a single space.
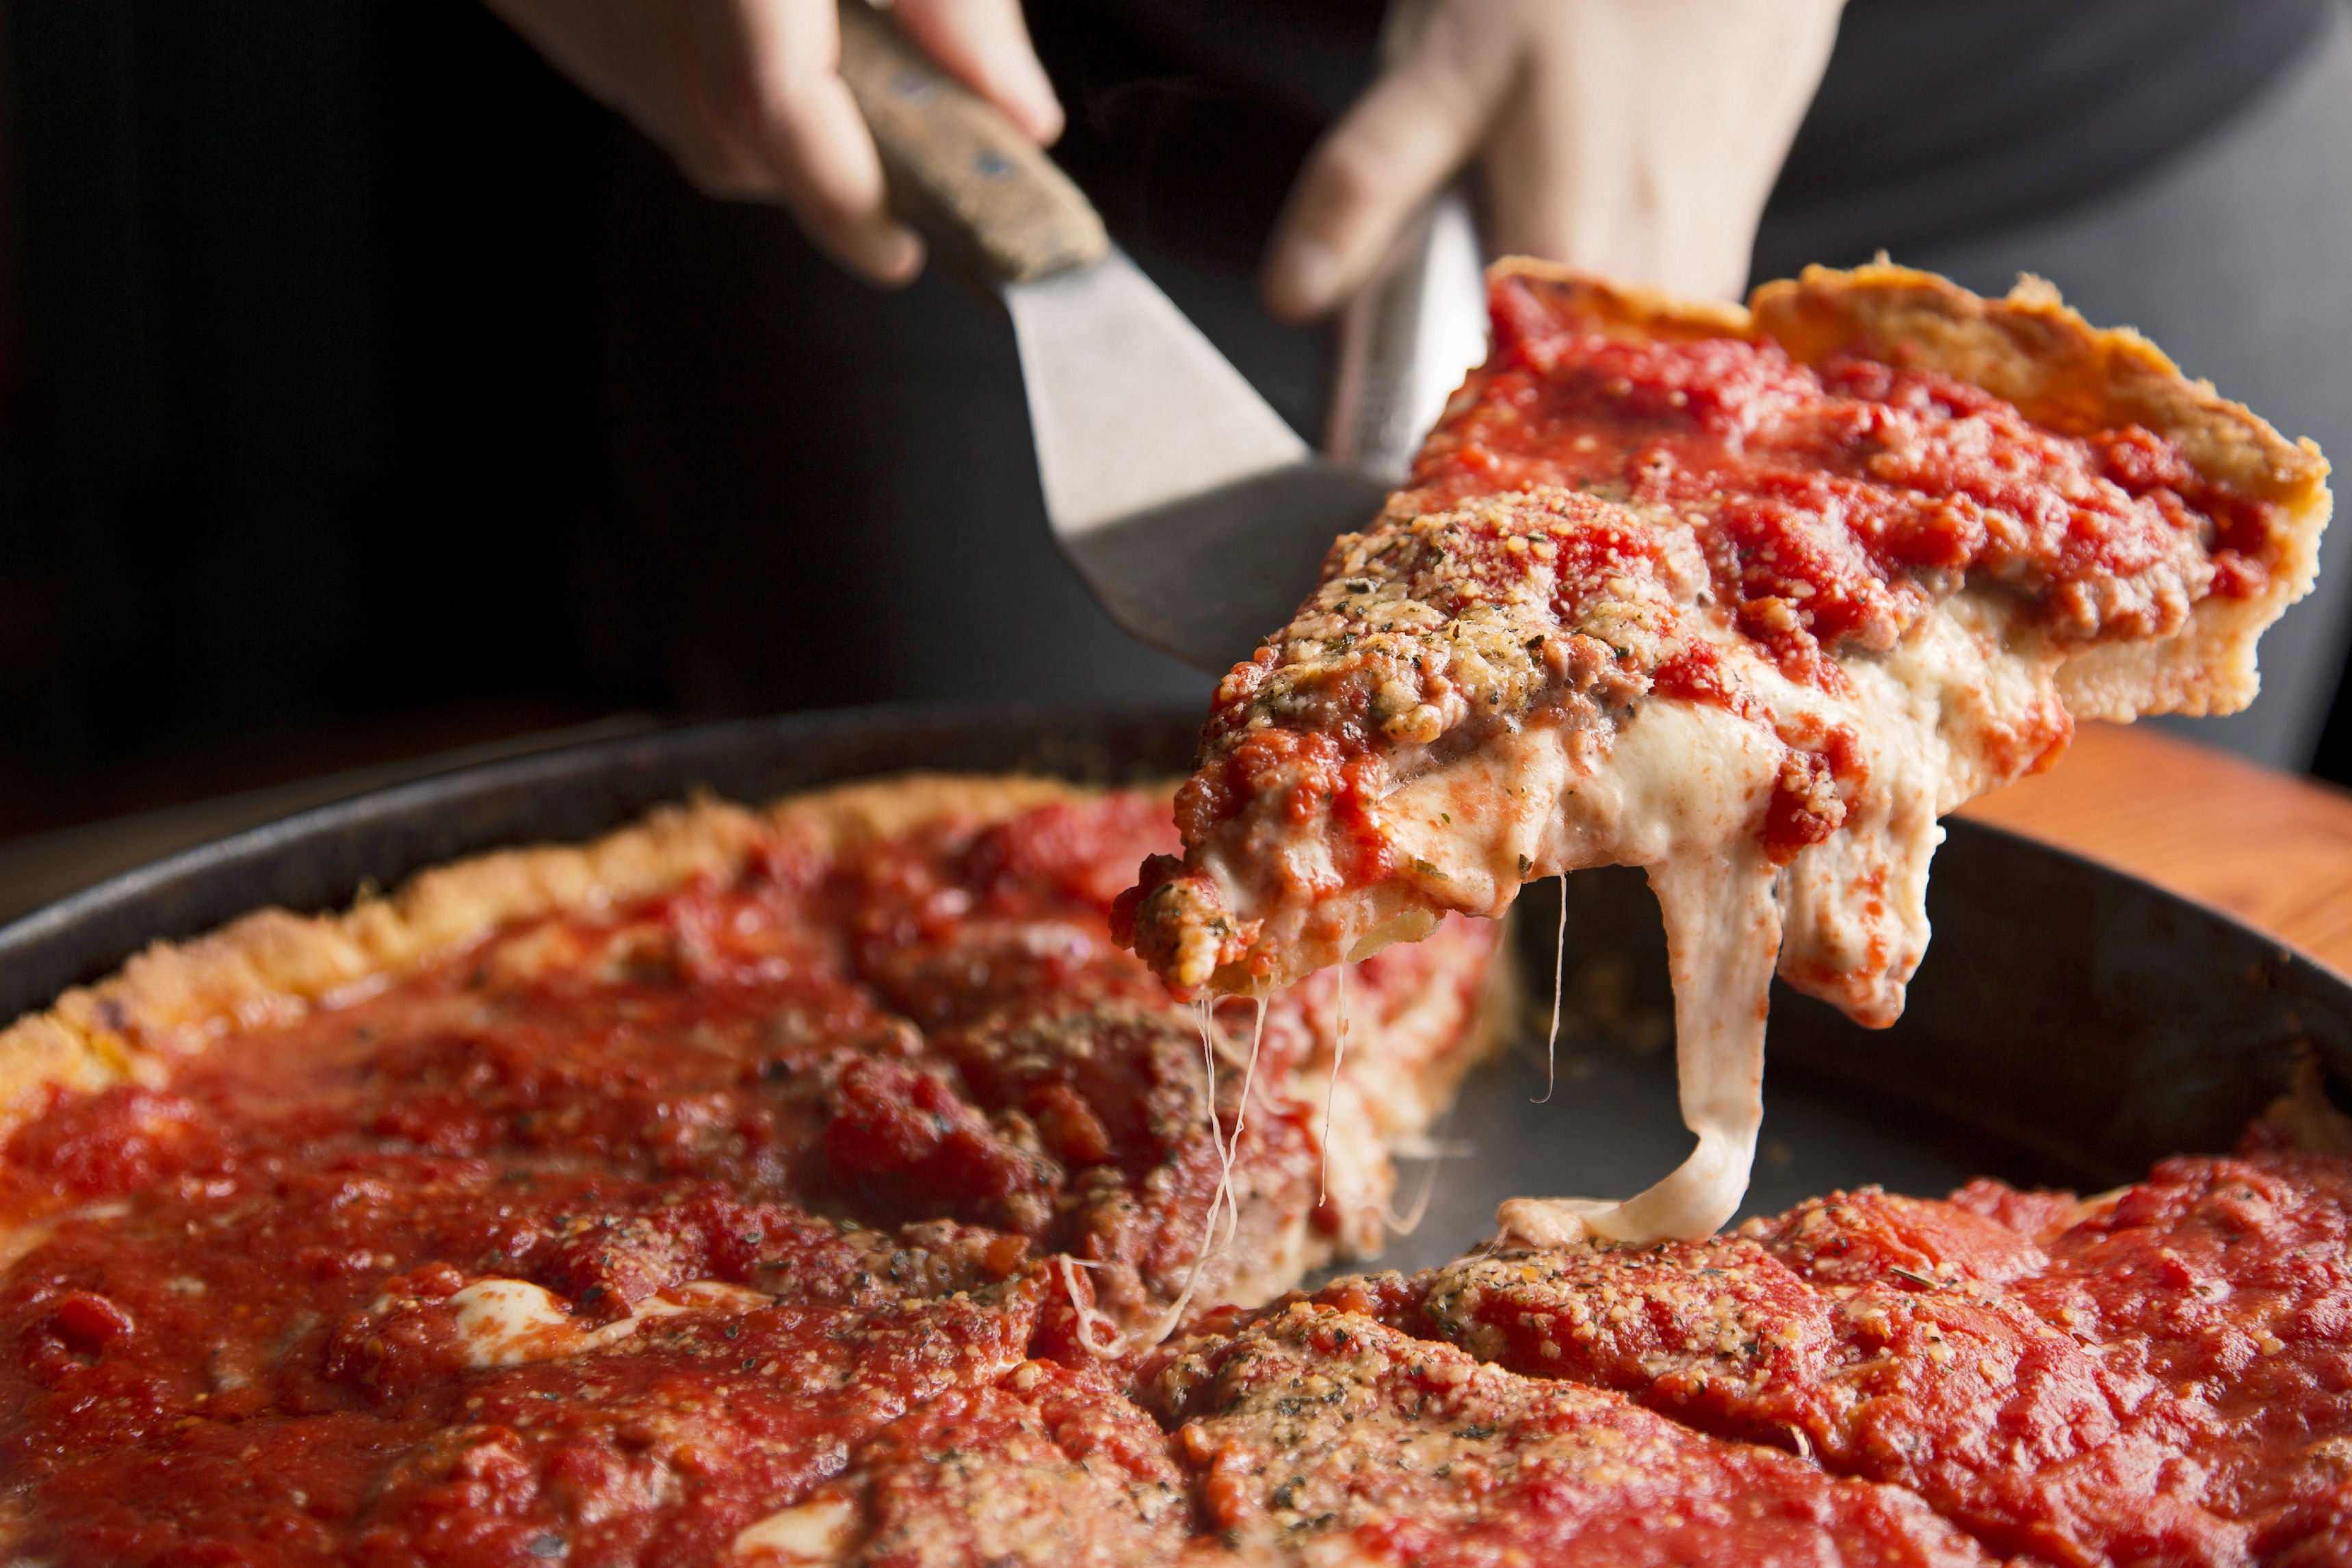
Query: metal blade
pixel 1407 340
pixel 1196 515
pixel 1133 409
pixel 1205 578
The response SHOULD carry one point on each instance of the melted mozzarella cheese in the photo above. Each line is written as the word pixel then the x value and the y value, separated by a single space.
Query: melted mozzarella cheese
pixel 819 1531
pixel 1964 702
pixel 507 1322
pixel 1679 790
pixel 1723 931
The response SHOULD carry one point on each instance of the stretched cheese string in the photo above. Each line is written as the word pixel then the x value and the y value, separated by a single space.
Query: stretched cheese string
pixel 1249 1076
pixel 1229 1144
pixel 1213 1037
pixel 1091 1317
pixel 1224 1198
pixel 1410 1221
pixel 1204 1011
pixel 1559 966
pixel 1332 1090
pixel 1723 937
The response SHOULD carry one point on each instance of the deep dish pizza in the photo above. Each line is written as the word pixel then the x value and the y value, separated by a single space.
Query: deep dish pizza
pixel 2161 1374
pixel 812 1185
pixel 1748 597
pixel 827 1183
pixel 669 1200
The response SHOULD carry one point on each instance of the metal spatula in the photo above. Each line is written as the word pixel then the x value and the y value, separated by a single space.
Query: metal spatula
pixel 1192 511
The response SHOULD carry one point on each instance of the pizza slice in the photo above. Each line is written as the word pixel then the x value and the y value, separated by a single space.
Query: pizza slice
pixel 1748 597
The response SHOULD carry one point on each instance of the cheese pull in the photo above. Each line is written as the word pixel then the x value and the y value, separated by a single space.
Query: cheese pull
pixel 1723 933
pixel 1748 598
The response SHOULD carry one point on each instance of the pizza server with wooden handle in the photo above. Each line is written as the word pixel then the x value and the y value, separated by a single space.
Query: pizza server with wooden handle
pixel 1194 512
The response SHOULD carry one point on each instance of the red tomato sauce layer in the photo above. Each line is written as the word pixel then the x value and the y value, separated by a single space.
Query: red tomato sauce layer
pixel 1837 502
pixel 2164 1375
pixel 618 1234
pixel 796 1145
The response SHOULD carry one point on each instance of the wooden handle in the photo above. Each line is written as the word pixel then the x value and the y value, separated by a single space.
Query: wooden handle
pixel 990 202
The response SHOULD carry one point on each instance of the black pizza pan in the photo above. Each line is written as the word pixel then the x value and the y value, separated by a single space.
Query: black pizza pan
pixel 2070 1026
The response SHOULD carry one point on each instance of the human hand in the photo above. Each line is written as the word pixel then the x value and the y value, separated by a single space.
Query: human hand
pixel 747 95
pixel 1634 138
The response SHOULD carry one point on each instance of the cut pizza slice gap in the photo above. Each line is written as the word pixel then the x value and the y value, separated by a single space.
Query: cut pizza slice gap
pixel 1749 598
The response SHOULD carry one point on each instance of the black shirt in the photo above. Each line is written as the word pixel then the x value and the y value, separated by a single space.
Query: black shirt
pixel 1939 118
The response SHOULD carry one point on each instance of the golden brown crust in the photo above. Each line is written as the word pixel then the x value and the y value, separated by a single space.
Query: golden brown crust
pixel 2062 372
pixel 2030 348
pixel 1629 309
pixel 176 997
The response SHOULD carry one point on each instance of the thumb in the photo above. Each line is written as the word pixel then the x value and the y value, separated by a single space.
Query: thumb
pixel 1418 122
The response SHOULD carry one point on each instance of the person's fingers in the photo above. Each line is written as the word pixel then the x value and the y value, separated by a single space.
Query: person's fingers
pixel 770 86
pixel 747 95
pixel 1564 164
pixel 1416 125
pixel 986 44
pixel 1643 137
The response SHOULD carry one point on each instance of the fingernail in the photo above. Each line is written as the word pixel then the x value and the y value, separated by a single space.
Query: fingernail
pixel 1309 278
pixel 1050 119
pixel 894 257
pixel 1027 85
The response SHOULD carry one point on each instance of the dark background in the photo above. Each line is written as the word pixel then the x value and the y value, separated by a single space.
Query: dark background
pixel 329 333
pixel 301 430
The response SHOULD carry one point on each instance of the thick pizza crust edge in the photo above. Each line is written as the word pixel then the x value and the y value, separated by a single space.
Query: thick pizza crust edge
pixel 2032 349
pixel 174 998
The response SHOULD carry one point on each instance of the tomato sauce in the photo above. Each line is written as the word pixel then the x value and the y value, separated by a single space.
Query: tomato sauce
pixel 1827 508
pixel 789 1164
pixel 868 1095
pixel 2163 1377
pixel 1837 502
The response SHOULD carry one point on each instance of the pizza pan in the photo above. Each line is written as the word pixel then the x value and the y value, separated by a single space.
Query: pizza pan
pixel 2070 1026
